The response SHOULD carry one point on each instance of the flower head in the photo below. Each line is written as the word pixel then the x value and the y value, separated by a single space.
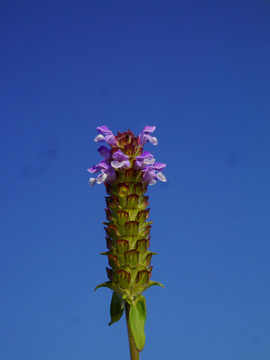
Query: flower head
pixel 126 152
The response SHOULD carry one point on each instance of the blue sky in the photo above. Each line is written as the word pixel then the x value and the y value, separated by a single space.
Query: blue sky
pixel 199 71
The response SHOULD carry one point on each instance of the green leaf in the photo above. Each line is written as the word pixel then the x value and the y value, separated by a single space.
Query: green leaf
pixel 117 308
pixel 137 317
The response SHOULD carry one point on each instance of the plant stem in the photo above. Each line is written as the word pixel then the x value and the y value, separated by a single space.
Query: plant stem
pixel 134 353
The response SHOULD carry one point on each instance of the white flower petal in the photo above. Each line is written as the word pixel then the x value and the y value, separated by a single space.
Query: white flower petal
pixel 149 161
pixel 117 164
pixel 161 177
pixel 153 140
pixel 92 181
pixel 152 182
pixel 101 178
pixel 99 138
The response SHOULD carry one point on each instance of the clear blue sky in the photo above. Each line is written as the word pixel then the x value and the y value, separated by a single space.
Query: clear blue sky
pixel 199 71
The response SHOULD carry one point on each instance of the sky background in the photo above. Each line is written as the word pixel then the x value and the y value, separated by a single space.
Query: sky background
pixel 200 72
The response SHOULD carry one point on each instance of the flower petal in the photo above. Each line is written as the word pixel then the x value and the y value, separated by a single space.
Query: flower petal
pixel 103 165
pixel 161 177
pixel 119 156
pixel 149 161
pixel 110 139
pixel 101 178
pixel 99 138
pixel 104 151
pixel 159 166
pixel 104 130
pixel 117 164
pixel 149 129
pixel 92 169
pixel 92 181
pixel 152 182
pixel 120 164
pixel 153 140
pixel 148 175
pixel 144 138
pixel 145 155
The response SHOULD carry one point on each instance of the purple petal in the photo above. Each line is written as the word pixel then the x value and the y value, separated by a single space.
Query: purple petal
pixel 110 139
pixel 92 169
pixel 158 166
pixel 119 156
pixel 111 171
pixel 144 138
pixel 105 152
pixel 104 130
pixel 96 168
pixel 149 129
pixel 145 155
pixel 148 175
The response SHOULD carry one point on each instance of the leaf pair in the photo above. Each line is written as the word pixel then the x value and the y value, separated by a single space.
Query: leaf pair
pixel 136 315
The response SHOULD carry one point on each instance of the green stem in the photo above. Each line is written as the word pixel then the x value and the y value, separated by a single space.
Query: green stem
pixel 134 353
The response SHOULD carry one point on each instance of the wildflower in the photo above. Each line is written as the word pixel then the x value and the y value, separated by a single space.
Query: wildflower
pixel 115 158
pixel 126 171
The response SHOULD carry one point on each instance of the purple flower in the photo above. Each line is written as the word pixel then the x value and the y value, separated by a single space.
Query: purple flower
pixel 107 172
pixel 107 167
pixel 103 165
pixel 151 170
pixel 116 160
pixel 121 161
pixel 146 158
pixel 153 173
pixel 105 134
pixel 145 137
pixel 107 175
pixel 105 152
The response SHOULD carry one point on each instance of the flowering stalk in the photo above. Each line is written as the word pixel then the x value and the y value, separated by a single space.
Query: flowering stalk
pixel 126 172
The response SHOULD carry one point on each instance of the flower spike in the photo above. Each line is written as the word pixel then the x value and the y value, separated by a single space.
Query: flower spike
pixel 126 171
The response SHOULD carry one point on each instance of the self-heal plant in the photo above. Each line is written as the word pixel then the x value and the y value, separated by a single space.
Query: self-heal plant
pixel 126 171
